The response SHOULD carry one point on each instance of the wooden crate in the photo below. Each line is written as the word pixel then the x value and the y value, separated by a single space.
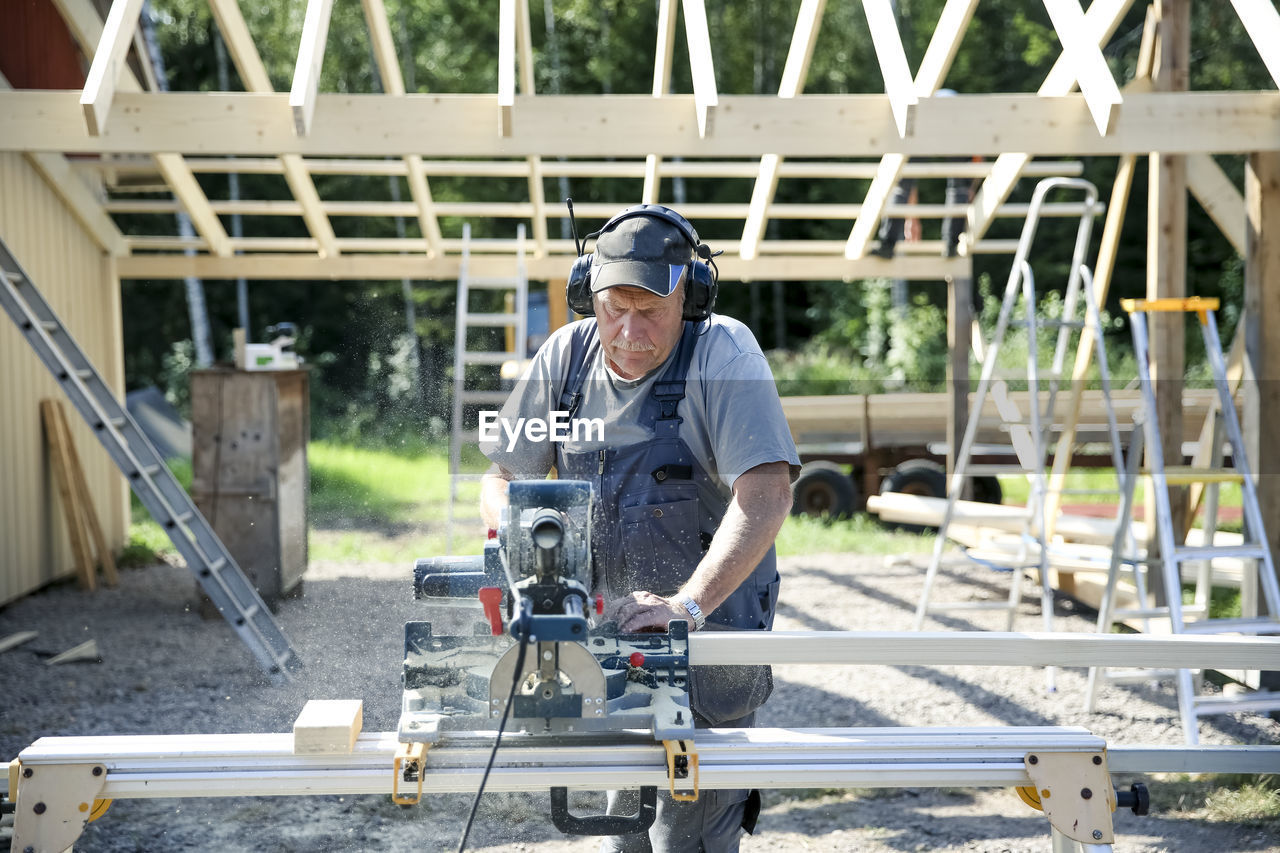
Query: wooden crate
pixel 249 462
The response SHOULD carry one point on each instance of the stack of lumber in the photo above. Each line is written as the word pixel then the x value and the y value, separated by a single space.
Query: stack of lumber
pixel 1079 554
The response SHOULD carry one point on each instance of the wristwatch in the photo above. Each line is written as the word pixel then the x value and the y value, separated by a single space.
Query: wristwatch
pixel 695 612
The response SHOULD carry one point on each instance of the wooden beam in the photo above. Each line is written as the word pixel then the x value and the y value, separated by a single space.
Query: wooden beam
pixel 1262 22
pixel 818 170
pixel 384 53
pixel 1218 196
pixel 803 38
pixel 108 63
pixel 506 65
pixel 626 126
pixel 253 74
pixel 1088 64
pixel 701 67
pixel 893 64
pixel 537 191
pixel 306 73
pixel 188 191
pixel 364 267
pixel 662 55
pixel 1167 250
pixel 1100 24
pixel 1262 334
pixel 947 35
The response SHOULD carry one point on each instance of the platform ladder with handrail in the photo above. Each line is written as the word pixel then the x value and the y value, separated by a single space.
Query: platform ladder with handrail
pixel 513 319
pixel 1028 433
pixel 159 491
pixel 1173 554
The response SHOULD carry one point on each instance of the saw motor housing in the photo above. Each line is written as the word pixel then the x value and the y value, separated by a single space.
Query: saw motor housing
pixel 532 585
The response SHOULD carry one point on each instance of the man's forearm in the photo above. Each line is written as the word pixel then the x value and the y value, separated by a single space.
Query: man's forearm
pixel 750 525
pixel 493 495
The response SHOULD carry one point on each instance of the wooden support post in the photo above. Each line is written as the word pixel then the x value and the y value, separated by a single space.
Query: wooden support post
pixel 1167 252
pixel 557 307
pixel 959 329
pixel 1262 335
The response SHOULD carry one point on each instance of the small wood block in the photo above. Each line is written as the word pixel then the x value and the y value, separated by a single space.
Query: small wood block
pixel 328 727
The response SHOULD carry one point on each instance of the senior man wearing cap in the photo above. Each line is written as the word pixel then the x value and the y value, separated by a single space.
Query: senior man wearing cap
pixel 691 466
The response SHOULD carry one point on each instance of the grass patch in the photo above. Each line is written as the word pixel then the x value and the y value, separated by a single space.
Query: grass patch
pixel 1253 800
pixel 860 534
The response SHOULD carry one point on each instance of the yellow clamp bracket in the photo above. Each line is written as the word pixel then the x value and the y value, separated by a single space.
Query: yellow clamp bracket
pixel 1197 304
pixel 99 809
pixel 408 755
pixel 682 763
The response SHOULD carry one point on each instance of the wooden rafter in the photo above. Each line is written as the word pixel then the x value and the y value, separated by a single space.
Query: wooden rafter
pixel 893 64
pixel 248 62
pixel 179 176
pixel 1262 22
pixel 1100 24
pixel 384 53
pixel 705 95
pixel 1088 64
pixel 306 73
pixel 108 62
pixel 663 52
pixel 803 38
pixel 952 24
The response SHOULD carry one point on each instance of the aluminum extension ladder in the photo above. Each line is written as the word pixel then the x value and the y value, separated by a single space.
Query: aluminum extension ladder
pixel 515 320
pixel 1029 433
pixel 205 555
pixel 1173 554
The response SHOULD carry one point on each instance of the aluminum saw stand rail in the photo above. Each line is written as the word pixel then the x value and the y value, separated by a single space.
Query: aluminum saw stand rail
pixel 151 480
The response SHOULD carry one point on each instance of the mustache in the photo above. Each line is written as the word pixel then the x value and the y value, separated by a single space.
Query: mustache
pixel 622 343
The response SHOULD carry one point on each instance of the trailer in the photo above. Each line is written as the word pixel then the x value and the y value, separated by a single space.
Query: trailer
pixel 856 445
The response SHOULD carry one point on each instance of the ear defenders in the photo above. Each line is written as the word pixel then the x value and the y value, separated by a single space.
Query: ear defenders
pixel 701 279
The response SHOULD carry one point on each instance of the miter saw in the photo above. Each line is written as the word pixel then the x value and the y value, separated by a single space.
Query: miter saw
pixel 464 663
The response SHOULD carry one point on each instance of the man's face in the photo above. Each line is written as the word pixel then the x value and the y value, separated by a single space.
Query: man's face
pixel 638 328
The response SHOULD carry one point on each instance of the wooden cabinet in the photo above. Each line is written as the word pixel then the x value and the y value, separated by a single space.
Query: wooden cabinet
pixel 249 464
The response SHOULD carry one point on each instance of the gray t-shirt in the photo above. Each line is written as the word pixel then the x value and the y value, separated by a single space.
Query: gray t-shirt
pixel 733 420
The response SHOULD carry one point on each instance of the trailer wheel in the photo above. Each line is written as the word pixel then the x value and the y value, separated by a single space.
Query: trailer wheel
pixel 922 477
pixel 823 489
pixel 987 490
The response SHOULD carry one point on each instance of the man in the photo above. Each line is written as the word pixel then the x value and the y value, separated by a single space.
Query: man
pixel 691 467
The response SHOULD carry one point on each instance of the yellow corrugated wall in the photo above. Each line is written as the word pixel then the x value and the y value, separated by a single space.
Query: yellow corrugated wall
pixel 79 282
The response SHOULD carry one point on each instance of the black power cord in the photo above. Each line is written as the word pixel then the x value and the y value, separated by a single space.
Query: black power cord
pixel 521 631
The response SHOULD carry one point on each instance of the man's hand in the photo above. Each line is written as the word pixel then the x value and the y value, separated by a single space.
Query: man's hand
pixel 641 611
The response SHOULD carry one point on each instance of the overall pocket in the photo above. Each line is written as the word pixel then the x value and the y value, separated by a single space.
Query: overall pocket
pixel 660 542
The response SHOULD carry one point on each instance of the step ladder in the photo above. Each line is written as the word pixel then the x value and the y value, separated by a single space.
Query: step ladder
pixel 1029 433
pixel 164 498
pixel 514 320
pixel 1174 553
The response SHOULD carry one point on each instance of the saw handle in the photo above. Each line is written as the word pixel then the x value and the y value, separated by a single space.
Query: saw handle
pixel 491 598
pixel 604 824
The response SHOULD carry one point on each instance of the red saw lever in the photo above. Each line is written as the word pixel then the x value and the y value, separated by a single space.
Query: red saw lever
pixel 491 598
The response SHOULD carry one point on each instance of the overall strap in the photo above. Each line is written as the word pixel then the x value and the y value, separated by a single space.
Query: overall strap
pixel 582 346
pixel 668 391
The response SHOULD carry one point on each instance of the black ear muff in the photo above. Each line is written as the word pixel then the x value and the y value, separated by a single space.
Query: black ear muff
pixel 578 290
pixel 701 281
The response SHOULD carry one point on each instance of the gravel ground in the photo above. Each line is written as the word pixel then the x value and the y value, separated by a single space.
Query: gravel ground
pixel 165 670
